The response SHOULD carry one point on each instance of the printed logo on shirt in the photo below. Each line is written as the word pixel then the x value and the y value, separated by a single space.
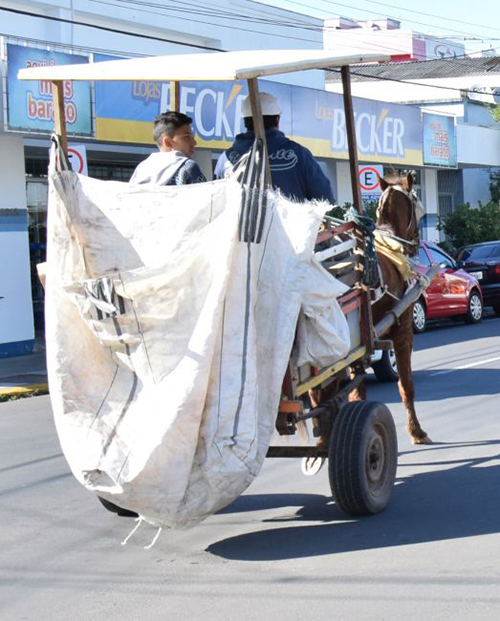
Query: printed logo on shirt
pixel 283 159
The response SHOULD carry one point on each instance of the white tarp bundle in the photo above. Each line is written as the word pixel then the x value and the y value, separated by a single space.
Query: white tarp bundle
pixel 168 338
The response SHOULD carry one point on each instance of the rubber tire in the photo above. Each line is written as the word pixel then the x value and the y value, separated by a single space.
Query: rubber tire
pixel 475 308
pixel 496 309
pixel 116 509
pixel 363 428
pixel 384 369
pixel 419 310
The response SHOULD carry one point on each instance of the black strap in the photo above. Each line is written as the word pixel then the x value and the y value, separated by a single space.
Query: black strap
pixel 62 162
pixel 254 197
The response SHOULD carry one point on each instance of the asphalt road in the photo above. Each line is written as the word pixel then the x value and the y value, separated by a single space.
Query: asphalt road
pixel 282 550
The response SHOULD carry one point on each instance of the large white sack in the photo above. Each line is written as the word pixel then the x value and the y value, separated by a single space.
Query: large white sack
pixel 168 339
pixel 322 330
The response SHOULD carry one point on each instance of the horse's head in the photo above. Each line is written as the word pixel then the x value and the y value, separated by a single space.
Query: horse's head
pixel 399 210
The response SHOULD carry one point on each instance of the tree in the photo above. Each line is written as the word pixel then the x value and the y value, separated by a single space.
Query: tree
pixel 495 187
pixel 467 225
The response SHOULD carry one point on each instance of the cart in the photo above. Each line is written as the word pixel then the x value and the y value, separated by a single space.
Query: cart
pixel 358 438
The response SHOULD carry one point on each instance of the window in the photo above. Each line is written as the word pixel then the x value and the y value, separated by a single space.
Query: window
pixel 480 253
pixel 423 259
pixel 441 259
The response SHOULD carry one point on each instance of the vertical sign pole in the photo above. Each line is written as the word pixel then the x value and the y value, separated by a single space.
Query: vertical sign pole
pixel 366 323
pixel 174 96
pixel 351 138
pixel 59 114
pixel 258 122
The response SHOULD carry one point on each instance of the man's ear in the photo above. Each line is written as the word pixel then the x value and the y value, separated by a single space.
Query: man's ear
pixel 165 141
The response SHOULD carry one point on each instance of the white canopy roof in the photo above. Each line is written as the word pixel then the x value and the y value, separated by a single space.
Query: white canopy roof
pixel 207 66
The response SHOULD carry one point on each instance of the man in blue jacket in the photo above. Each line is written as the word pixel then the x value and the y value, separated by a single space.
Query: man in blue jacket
pixel 293 168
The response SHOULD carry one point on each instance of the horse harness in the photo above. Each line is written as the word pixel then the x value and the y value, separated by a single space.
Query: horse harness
pixel 399 256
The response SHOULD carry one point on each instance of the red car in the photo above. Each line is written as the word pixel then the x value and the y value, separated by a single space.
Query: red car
pixel 453 293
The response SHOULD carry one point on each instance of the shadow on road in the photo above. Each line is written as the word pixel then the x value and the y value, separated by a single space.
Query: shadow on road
pixel 453 503
pixel 448 331
pixel 437 385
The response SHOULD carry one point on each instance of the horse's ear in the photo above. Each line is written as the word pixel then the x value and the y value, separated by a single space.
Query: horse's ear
pixel 383 183
pixel 409 181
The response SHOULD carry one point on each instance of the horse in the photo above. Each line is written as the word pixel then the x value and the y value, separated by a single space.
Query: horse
pixel 398 214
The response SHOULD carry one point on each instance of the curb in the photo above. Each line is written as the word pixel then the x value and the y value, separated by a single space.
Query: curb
pixel 28 389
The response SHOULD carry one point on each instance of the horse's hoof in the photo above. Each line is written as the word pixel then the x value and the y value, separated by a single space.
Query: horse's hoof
pixel 423 440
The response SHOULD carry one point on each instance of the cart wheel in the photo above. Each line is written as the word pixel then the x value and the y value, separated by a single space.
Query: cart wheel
pixel 362 457
pixel 312 465
pixel 116 509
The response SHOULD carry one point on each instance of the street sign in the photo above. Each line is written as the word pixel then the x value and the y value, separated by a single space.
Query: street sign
pixel 77 155
pixel 369 180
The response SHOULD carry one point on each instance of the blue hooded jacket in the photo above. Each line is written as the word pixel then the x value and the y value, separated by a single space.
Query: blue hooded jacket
pixel 293 168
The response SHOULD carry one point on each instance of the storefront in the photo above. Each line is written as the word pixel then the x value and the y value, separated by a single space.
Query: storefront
pixel 112 123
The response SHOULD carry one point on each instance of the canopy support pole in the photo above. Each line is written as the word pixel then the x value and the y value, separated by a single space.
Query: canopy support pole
pixel 258 121
pixel 351 138
pixel 59 113
pixel 174 96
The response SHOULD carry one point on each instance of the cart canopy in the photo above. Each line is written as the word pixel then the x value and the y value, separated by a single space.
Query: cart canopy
pixel 207 66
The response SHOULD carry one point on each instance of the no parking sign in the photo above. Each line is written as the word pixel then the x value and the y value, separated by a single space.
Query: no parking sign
pixel 77 155
pixel 369 180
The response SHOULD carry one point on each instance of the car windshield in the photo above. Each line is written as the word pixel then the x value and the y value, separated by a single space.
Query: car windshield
pixel 479 253
pixel 423 259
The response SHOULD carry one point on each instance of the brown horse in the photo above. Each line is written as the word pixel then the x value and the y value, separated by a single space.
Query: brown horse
pixel 397 219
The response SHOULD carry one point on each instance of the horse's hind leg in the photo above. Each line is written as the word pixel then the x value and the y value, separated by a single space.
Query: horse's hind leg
pixel 358 393
pixel 402 338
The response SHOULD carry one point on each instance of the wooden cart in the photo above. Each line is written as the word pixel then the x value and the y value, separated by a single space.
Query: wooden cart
pixel 358 438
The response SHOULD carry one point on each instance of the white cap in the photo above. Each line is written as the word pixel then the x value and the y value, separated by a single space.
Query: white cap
pixel 268 103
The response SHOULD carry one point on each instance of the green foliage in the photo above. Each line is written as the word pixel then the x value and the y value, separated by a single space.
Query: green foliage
pixel 495 113
pixel 341 211
pixel 470 226
pixel 495 187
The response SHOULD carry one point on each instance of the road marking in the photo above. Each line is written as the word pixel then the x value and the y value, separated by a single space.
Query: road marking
pixel 466 366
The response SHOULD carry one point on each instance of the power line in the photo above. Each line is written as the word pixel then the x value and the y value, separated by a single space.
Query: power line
pixel 108 29
pixel 410 82
pixel 444 18
pixel 199 46
pixel 243 17
pixel 356 8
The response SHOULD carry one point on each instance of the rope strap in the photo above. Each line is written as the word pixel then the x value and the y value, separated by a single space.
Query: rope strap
pixel 371 274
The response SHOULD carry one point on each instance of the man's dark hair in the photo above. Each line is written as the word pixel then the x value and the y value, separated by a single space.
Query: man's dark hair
pixel 270 121
pixel 167 123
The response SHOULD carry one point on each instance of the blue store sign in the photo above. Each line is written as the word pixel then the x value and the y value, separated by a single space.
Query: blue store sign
pixel 389 133
pixel 30 102
pixel 440 140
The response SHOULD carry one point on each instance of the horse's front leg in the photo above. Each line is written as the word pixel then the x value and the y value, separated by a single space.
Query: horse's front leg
pixel 402 338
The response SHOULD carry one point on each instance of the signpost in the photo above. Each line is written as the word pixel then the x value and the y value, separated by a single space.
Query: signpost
pixel 77 155
pixel 369 181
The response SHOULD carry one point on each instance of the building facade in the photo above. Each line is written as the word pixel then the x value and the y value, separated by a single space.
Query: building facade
pixel 82 31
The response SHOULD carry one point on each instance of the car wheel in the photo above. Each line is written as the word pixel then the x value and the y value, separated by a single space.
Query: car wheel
pixel 475 309
pixel 419 317
pixel 386 369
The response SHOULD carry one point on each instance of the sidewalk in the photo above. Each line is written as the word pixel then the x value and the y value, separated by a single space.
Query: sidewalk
pixel 24 374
